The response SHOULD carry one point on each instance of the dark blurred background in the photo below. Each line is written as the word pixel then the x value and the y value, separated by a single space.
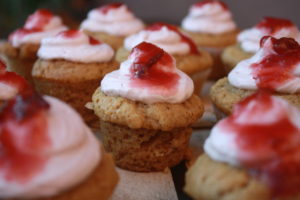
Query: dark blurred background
pixel 246 12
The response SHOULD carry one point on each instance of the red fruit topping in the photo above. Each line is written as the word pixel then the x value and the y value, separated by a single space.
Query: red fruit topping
pixel 272 24
pixel 12 79
pixel 146 68
pixel 69 33
pixel 23 137
pixel 38 20
pixel 277 67
pixel 34 23
pixel 205 2
pixel 280 138
pixel 184 38
pixel 93 41
pixel 106 8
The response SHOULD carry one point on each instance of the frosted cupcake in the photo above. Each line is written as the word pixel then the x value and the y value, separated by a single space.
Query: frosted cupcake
pixel 49 153
pixel 111 23
pixel 249 39
pixel 10 84
pixel 70 66
pixel 21 48
pixel 275 67
pixel 209 23
pixel 146 109
pixel 197 64
pixel 252 154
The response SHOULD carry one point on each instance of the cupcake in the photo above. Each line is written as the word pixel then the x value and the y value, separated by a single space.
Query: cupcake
pixel 70 66
pixel 10 84
pixel 252 154
pixel 275 67
pixel 47 152
pixel 249 39
pixel 197 64
pixel 21 48
pixel 146 109
pixel 111 23
pixel 209 23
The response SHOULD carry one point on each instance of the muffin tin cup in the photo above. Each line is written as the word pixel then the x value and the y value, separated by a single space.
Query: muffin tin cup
pixel 144 150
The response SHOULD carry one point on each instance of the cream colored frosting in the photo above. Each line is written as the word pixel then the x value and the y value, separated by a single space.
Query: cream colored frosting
pixel 118 21
pixel 119 83
pixel 7 91
pixel 73 154
pixel 76 48
pixel 165 38
pixel 210 18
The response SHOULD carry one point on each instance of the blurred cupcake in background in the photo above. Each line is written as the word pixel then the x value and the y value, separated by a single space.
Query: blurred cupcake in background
pixel 70 66
pixel 197 64
pixel 20 51
pixel 249 39
pixel 111 23
pixel 209 23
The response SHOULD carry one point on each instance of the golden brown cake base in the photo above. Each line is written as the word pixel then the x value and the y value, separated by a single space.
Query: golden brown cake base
pixel 114 41
pixel 232 55
pixel 99 186
pixel 198 67
pixel 210 180
pixel 225 96
pixel 213 40
pixel 138 115
pixel 20 60
pixel 71 82
pixel 145 150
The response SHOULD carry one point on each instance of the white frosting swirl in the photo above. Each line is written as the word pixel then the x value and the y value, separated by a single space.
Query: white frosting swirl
pixel 73 155
pixel 52 28
pixel 249 39
pixel 242 75
pixel 118 83
pixel 222 145
pixel 76 48
pixel 165 38
pixel 210 18
pixel 118 21
pixel 7 91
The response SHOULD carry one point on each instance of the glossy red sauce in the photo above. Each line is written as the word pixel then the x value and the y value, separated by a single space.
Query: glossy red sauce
pixel 205 2
pixel 106 8
pixel 146 69
pixel 23 136
pixel 34 23
pixel 69 33
pixel 184 38
pixel 282 172
pixel 12 79
pixel 93 41
pixel 277 67
pixel 272 24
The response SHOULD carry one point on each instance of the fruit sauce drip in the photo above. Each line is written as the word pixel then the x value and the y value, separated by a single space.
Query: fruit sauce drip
pixel 271 24
pixel 106 8
pixel 184 38
pixel 35 23
pixel 12 79
pixel 206 2
pixel 147 66
pixel 282 172
pixel 276 68
pixel 69 34
pixel 23 136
